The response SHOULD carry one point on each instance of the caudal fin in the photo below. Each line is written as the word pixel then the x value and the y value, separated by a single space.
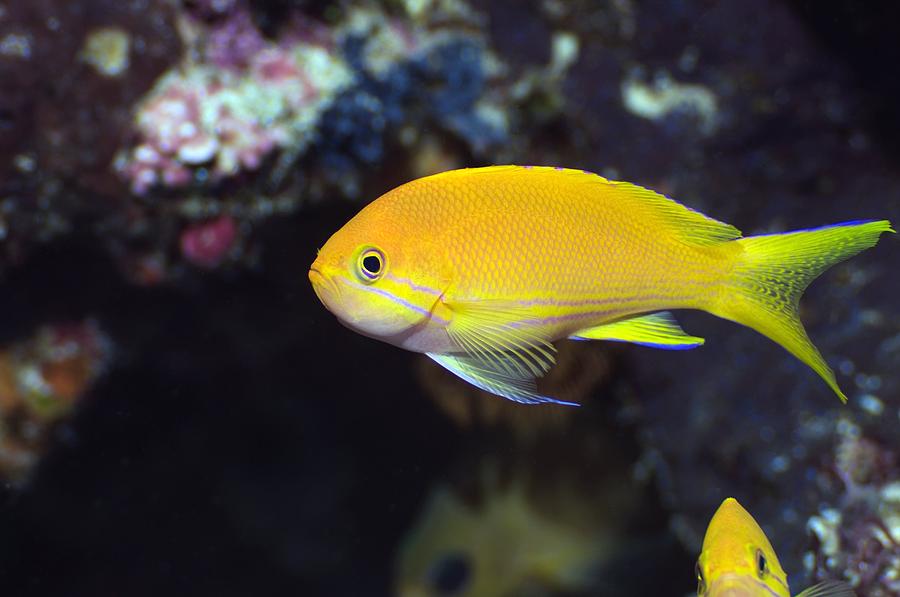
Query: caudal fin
pixel 773 271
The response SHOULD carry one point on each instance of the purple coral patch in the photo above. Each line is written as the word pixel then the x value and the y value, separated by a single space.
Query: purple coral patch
pixel 207 244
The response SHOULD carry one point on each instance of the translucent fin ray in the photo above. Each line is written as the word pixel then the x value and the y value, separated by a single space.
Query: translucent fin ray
pixel 690 226
pixel 828 588
pixel 517 389
pixel 497 337
pixel 770 276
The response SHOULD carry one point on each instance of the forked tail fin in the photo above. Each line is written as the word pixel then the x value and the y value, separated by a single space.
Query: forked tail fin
pixel 773 271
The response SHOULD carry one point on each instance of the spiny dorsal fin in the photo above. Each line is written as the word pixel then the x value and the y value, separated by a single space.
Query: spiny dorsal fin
pixel 690 226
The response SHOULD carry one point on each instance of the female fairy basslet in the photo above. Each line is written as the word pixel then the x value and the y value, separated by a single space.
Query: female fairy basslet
pixel 482 269
pixel 737 560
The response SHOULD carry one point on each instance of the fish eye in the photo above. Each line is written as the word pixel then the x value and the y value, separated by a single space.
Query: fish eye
pixel 761 564
pixel 450 574
pixel 370 265
pixel 701 582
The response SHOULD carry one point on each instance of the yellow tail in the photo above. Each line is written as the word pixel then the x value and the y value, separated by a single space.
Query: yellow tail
pixel 772 272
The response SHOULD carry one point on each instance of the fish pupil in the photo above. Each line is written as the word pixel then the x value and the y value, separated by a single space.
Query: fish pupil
pixel 450 574
pixel 372 264
pixel 761 563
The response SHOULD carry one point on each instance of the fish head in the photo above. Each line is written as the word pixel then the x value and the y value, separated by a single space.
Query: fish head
pixel 493 538
pixel 737 559
pixel 448 551
pixel 377 278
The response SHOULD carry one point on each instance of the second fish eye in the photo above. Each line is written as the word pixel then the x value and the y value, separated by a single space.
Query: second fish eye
pixel 761 564
pixel 451 574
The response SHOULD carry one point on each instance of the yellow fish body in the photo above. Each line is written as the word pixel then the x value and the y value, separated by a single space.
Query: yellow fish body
pixel 502 547
pixel 737 560
pixel 483 269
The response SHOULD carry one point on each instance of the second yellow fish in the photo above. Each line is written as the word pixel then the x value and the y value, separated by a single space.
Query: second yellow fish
pixel 483 269
pixel 737 560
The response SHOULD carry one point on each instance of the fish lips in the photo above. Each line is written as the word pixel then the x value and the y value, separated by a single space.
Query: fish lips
pixel 325 288
pixel 737 585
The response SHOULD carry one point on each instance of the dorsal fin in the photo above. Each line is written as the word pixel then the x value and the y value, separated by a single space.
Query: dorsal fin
pixel 690 226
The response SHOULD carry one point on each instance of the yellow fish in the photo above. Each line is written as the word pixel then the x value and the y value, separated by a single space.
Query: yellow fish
pixel 506 538
pixel 737 560
pixel 482 269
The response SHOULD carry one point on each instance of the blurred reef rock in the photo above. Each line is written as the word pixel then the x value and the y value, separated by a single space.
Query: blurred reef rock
pixel 164 125
pixel 42 379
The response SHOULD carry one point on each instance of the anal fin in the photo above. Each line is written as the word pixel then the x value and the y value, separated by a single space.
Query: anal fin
pixel 658 330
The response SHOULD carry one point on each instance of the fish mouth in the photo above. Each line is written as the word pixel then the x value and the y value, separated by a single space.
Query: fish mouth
pixel 325 288
pixel 736 585
pixel 411 592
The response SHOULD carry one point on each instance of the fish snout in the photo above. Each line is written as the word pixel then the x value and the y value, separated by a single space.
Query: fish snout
pixel 325 288
pixel 411 591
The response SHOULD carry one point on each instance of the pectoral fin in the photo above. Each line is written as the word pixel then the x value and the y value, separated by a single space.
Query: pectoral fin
pixel 500 337
pixel 659 330
pixel 518 389
pixel 828 588
pixel 499 349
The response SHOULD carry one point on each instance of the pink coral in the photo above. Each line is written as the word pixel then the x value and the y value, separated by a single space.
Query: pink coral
pixel 234 42
pixel 190 124
pixel 207 244
pixel 248 97
pixel 172 140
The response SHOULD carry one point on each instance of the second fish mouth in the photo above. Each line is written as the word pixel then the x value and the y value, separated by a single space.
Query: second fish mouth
pixel 731 585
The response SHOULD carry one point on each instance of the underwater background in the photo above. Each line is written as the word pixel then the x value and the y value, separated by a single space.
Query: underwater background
pixel 179 415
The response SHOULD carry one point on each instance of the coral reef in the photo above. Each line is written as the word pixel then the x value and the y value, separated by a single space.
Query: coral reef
pixel 236 98
pixel 74 72
pixel 666 97
pixel 858 536
pixel 41 381
pixel 225 108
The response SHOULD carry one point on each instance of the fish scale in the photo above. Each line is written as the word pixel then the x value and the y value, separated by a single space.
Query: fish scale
pixel 483 269
pixel 575 257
